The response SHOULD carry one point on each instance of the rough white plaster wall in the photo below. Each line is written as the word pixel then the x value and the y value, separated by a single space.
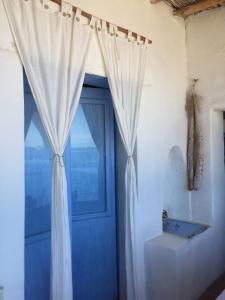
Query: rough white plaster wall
pixel 206 61
pixel 162 120
pixel 176 201
pixel 12 166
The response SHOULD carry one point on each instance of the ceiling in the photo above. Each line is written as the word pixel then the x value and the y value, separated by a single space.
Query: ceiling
pixel 185 8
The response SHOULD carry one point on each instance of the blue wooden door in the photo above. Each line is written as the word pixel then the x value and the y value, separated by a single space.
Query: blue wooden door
pixel 89 161
pixel 93 198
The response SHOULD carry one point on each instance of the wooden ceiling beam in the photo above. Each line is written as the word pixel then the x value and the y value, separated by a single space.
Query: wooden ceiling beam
pixel 197 7
pixel 154 1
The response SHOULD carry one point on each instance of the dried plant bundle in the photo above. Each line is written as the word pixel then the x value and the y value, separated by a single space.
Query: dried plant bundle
pixel 195 153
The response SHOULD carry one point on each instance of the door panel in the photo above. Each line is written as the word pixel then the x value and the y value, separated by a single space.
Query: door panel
pixel 89 163
pixel 94 276
pixel 93 220
pixel 37 267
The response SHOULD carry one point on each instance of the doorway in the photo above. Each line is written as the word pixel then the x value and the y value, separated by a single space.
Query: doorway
pixel 90 168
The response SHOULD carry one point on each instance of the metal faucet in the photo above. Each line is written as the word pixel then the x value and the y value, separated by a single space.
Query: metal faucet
pixel 164 217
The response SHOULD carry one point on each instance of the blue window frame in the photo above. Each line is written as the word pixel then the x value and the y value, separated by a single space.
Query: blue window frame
pixel 87 163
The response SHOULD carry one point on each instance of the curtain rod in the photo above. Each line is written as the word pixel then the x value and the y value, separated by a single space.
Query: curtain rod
pixel 88 16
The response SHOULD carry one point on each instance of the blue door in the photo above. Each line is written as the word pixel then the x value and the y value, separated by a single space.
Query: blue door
pixel 89 161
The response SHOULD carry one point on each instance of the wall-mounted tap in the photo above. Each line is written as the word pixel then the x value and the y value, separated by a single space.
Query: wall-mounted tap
pixel 164 217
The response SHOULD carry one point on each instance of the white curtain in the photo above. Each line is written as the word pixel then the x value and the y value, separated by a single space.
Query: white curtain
pixel 53 46
pixel 125 62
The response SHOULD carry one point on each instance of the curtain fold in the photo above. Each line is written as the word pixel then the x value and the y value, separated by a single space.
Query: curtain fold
pixel 94 124
pixel 53 47
pixel 125 62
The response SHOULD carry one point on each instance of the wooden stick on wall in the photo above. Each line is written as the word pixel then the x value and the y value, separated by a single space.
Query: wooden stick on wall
pixel 121 29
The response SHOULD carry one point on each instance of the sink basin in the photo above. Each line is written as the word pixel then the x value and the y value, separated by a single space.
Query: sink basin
pixel 182 228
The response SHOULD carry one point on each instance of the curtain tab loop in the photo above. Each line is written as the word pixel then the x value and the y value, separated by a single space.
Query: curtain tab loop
pixel 99 26
pixel 93 22
pixel 147 43
pixel 66 9
pixel 78 14
pixel 45 4
pixel 115 29
pixel 111 29
pixel 129 36
pixel 104 26
pixel 138 39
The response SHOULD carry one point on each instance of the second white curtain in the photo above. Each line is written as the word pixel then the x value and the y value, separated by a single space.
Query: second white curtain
pixel 125 62
pixel 53 46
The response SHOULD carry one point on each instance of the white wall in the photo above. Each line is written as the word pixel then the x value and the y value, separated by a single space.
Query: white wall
pixel 11 167
pixel 206 61
pixel 162 126
pixel 203 259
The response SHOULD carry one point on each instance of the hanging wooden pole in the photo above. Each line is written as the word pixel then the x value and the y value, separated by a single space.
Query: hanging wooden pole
pixel 119 28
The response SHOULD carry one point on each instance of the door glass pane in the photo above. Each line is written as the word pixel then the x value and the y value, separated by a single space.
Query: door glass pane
pixel 38 169
pixel 88 160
